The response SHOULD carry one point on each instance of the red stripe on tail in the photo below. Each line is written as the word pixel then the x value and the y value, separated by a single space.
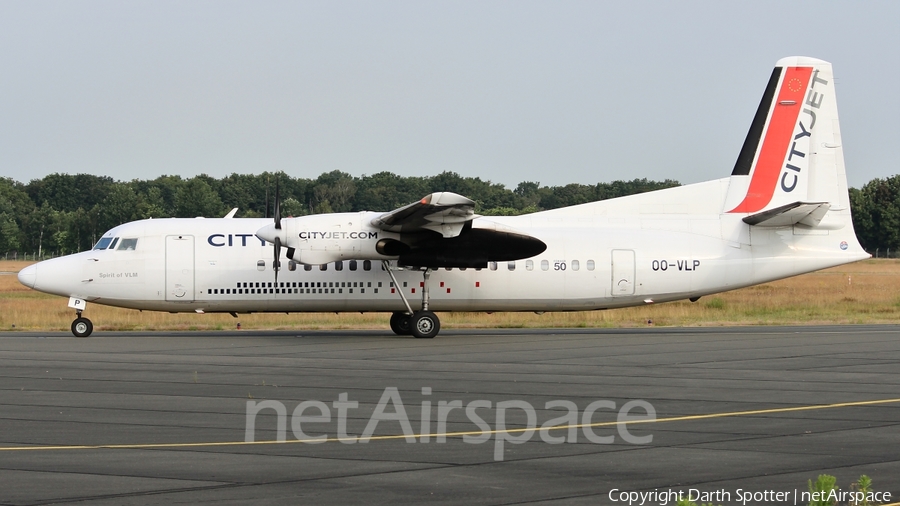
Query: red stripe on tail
pixel 778 136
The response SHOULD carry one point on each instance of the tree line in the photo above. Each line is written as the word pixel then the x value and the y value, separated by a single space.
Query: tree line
pixel 62 213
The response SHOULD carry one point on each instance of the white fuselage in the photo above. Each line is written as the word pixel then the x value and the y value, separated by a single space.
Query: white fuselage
pixel 667 245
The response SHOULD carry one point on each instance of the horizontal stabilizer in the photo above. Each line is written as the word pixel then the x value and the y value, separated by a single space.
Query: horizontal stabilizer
pixel 802 213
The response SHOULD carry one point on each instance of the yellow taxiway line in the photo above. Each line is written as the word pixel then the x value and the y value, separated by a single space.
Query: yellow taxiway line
pixel 452 434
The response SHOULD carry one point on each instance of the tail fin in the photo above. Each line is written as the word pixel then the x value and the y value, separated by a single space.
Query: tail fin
pixel 792 153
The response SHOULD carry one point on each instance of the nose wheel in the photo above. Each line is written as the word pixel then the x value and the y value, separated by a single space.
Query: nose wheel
pixel 82 327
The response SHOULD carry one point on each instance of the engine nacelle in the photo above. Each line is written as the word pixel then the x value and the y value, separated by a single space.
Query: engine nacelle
pixel 323 239
pixel 326 238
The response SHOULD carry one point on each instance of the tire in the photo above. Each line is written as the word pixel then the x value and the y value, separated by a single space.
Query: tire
pixel 425 325
pixel 401 323
pixel 82 327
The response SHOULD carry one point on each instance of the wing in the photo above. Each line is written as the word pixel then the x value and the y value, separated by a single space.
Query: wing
pixel 462 241
pixel 443 212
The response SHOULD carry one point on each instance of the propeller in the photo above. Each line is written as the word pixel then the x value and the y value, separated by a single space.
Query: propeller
pixel 277 207
pixel 277 241
pixel 277 256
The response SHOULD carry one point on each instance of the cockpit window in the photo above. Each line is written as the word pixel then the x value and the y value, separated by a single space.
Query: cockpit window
pixel 128 244
pixel 103 243
pixel 113 245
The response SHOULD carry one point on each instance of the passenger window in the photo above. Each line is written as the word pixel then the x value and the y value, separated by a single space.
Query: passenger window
pixel 339 265
pixel 529 265
pixel 367 265
pixel 261 265
pixel 492 266
pixel 545 265
pixel 307 267
pixel 323 267
pixel 103 243
pixel 590 265
pixel 575 265
pixel 352 265
pixel 511 265
pixel 292 265
pixel 127 245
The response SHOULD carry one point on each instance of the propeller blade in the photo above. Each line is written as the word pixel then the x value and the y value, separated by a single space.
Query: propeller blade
pixel 277 207
pixel 277 258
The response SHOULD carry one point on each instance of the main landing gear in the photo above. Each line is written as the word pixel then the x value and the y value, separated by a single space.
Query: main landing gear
pixel 420 324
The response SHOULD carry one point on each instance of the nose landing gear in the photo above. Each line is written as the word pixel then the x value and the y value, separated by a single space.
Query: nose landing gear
pixel 82 327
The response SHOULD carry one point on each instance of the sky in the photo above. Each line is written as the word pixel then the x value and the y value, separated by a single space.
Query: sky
pixel 554 92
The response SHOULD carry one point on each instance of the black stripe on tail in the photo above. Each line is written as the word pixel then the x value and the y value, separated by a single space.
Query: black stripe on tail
pixel 751 143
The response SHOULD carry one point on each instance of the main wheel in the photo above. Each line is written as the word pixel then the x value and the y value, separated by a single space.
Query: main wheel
pixel 400 323
pixel 82 327
pixel 425 325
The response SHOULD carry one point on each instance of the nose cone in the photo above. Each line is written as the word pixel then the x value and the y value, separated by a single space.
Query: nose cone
pixel 28 276
pixel 59 276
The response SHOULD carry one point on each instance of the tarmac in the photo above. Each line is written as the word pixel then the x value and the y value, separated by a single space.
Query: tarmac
pixel 162 418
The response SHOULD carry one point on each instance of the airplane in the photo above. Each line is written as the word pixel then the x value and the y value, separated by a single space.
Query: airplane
pixel 783 211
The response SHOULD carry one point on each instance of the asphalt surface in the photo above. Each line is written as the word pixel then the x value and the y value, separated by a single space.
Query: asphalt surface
pixel 185 397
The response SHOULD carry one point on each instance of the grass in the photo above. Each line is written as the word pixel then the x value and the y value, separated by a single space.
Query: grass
pixel 864 292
